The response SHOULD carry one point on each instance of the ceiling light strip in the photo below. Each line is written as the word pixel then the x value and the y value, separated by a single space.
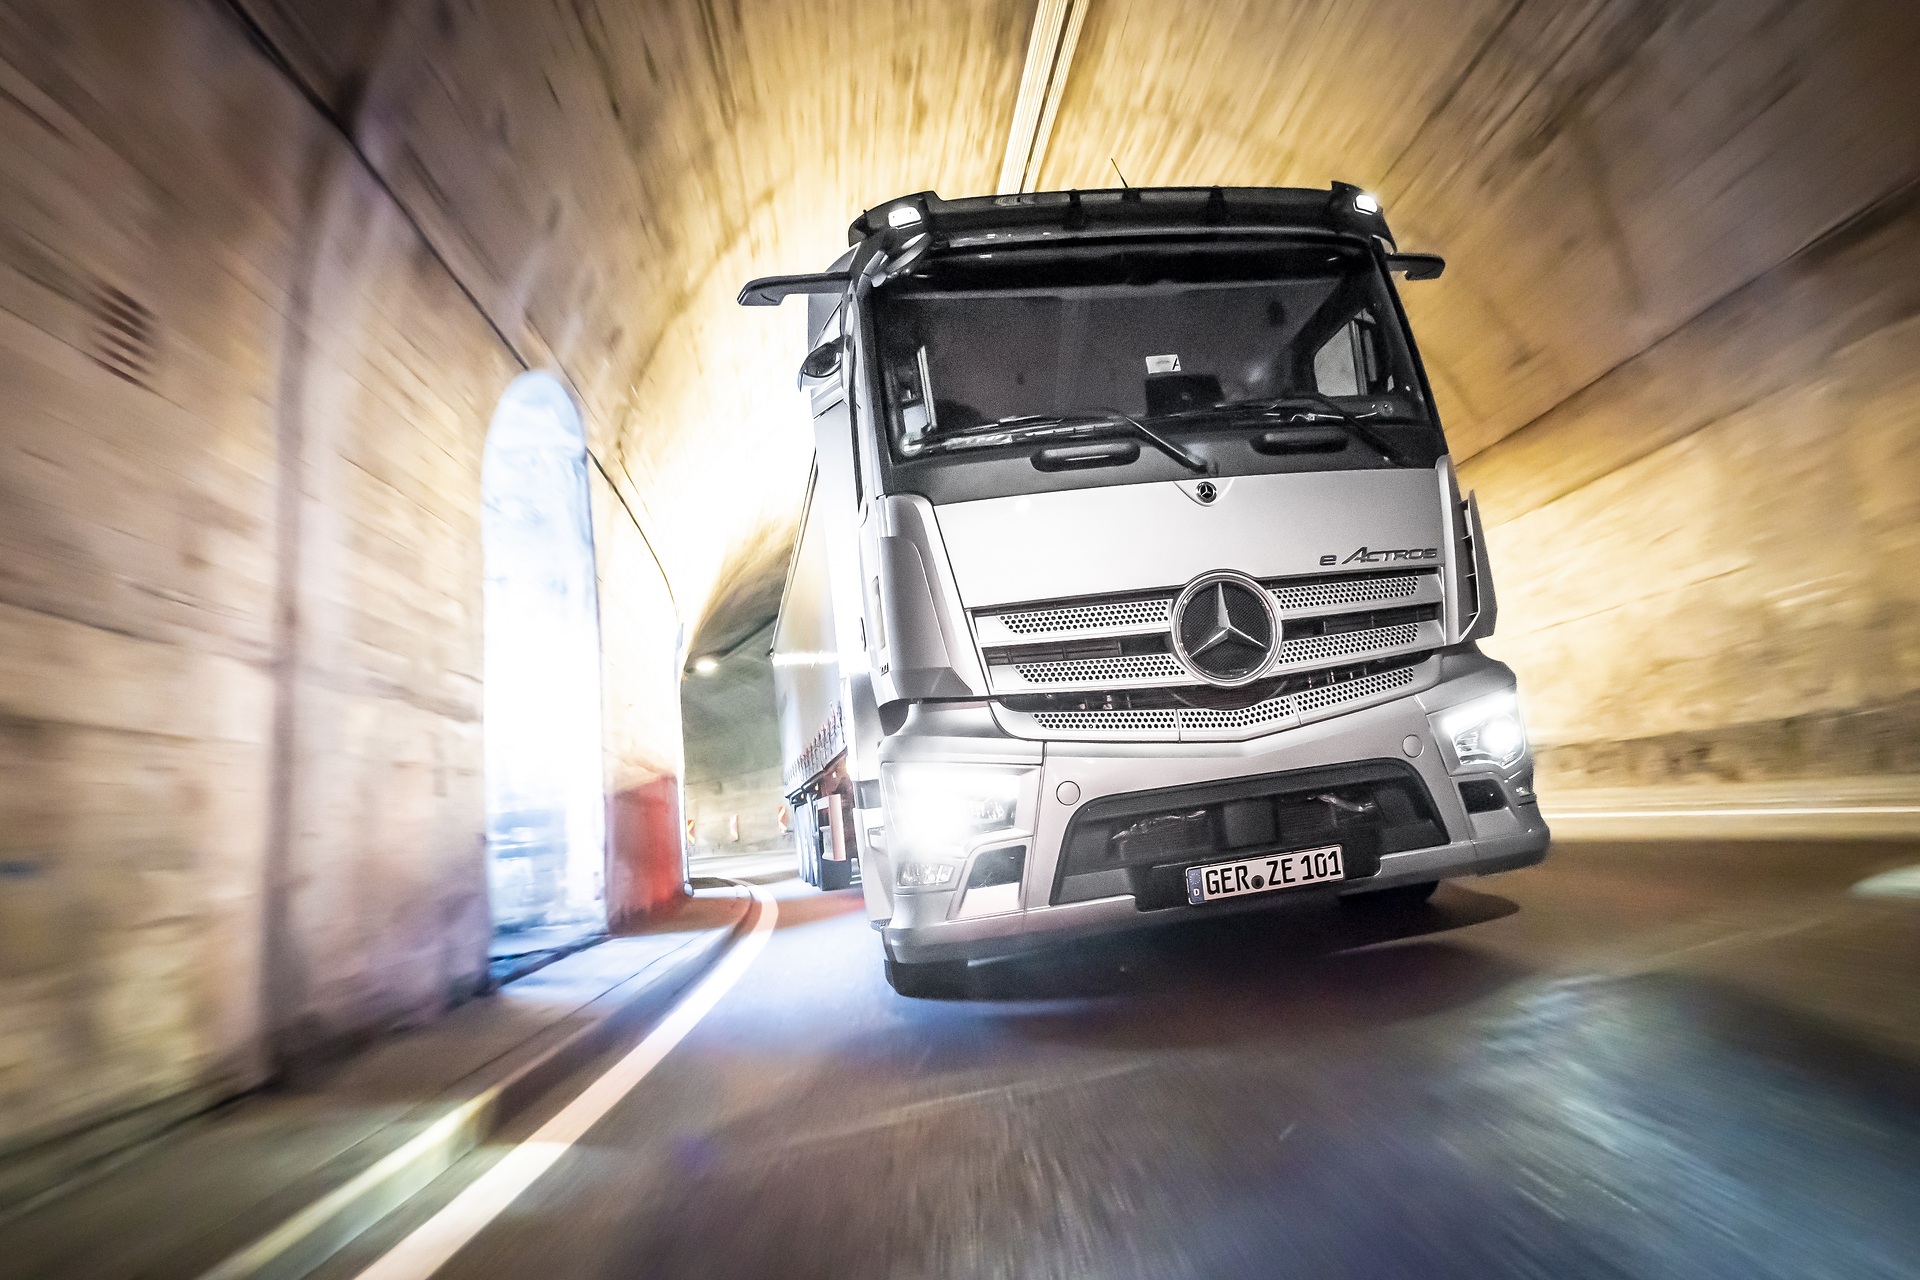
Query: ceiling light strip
pixel 1056 29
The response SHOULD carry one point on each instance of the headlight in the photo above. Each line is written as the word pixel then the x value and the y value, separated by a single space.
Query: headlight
pixel 935 811
pixel 1488 731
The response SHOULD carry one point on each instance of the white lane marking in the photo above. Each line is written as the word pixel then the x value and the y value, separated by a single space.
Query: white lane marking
pixel 434 1241
pixel 1901 883
pixel 1558 814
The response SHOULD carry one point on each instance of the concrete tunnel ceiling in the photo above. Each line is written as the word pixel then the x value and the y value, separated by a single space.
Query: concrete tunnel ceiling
pixel 258 303
pixel 1607 182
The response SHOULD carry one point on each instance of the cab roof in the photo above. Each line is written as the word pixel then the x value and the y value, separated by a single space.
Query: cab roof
pixel 1342 209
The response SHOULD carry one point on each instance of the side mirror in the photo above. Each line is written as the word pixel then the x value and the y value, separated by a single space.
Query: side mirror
pixel 1418 266
pixel 883 267
pixel 823 360
pixel 898 264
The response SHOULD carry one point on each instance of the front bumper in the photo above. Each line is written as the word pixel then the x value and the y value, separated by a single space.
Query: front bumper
pixel 944 925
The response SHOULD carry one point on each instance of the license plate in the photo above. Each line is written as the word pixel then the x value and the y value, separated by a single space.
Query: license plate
pixel 1264 874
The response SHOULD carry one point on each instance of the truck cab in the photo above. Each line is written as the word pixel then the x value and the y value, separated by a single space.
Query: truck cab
pixel 1153 588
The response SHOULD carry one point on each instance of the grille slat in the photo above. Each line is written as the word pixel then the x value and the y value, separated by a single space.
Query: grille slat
pixel 1104 720
pixel 1074 619
pixel 1348 691
pixel 1273 709
pixel 1144 666
pixel 1324 596
pixel 1346 643
pixel 1198 724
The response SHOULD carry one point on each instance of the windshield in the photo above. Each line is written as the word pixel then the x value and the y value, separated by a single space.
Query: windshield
pixel 1000 350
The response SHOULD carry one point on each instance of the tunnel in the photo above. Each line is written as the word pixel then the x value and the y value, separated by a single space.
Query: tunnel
pixel 396 509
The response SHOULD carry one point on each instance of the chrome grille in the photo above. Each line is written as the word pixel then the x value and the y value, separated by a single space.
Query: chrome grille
pixel 1074 652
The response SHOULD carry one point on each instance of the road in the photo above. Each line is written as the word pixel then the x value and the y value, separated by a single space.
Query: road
pixel 1634 1060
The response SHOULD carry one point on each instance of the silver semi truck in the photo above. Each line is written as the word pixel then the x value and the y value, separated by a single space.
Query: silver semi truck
pixel 1136 567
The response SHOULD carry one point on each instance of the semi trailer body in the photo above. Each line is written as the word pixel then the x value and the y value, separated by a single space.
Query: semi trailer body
pixel 1151 588
pixel 815 698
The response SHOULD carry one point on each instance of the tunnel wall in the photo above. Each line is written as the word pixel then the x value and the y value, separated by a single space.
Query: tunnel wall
pixel 1674 347
pixel 1691 411
pixel 640 669
pixel 733 752
pixel 241 812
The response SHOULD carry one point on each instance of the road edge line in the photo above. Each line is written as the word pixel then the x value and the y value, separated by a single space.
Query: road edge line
pixel 320 1229
pixel 431 1244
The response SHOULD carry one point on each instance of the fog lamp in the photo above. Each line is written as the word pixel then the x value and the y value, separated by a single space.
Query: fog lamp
pixel 923 875
pixel 934 811
pixel 1488 731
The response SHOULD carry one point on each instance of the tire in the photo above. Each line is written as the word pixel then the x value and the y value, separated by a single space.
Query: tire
pixel 932 980
pixel 1402 895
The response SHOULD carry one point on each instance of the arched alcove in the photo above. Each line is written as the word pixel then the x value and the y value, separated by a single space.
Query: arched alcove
pixel 546 816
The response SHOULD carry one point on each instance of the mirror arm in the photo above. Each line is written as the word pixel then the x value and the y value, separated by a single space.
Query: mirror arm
pixel 771 291
pixel 1418 266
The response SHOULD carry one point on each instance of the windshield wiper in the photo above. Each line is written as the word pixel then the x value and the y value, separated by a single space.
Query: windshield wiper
pixel 1321 409
pixel 1109 418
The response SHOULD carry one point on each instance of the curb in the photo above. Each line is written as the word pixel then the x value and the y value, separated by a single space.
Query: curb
pixel 308 1237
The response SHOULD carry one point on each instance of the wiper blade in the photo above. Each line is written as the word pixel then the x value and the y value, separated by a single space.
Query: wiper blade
pixel 1324 410
pixel 1038 422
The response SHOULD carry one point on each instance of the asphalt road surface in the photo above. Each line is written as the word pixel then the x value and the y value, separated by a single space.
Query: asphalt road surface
pixel 1635 1060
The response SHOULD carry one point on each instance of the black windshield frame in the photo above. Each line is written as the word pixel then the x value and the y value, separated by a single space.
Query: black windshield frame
pixel 1180 267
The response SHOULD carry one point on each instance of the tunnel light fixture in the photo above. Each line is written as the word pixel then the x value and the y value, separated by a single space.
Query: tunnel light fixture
pixel 1367 202
pixel 705 665
pixel 1486 731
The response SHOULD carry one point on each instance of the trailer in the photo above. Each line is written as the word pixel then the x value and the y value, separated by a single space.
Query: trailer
pixel 814 701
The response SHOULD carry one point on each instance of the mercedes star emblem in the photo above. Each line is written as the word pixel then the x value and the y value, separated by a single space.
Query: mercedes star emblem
pixel 1224 628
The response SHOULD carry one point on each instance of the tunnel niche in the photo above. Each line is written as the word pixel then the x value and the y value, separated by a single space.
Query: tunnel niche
pixel 546 820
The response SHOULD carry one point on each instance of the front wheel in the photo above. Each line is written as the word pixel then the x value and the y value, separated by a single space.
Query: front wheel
pixel 931 980
pixel 1402 895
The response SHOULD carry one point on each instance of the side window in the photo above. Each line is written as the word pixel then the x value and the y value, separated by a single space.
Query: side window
pixel 910 383
pixel 1349 364
pixel 1333 368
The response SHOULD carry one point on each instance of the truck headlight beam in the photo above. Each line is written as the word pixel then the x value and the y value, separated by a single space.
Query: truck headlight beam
pixel 1487 731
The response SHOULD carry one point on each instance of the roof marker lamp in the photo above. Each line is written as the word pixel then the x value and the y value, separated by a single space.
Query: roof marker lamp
pixel 1486 731
pixel 936 811
pixel 902 216
pixel 1367 202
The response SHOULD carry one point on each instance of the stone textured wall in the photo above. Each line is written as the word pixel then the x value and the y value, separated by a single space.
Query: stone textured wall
pixel 1675 345
pixel 239 577
pixel 241 818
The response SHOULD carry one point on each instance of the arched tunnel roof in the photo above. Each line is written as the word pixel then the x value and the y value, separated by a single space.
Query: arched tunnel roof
pixel 602 178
